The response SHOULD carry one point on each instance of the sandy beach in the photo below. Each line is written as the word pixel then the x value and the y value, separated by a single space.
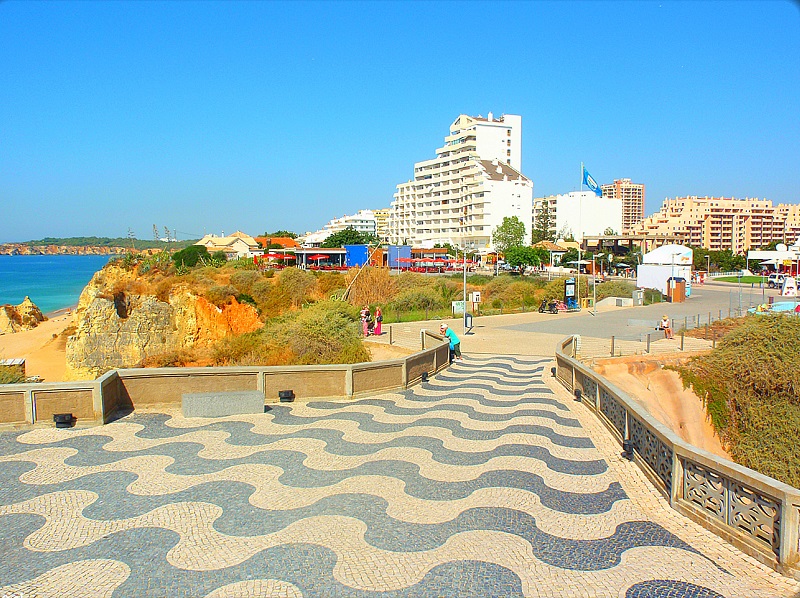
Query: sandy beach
pixel 43 348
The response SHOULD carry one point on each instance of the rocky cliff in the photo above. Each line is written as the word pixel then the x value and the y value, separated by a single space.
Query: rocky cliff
pixel 26 249
pixel 24 316
pixel 117 328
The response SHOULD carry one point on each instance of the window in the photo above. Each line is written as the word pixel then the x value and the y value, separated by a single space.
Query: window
pixel 508 152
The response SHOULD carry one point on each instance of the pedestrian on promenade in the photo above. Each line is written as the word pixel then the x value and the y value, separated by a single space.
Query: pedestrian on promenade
pixel 365 316
pixel 455 342
pixel 378 320
pixel 666 327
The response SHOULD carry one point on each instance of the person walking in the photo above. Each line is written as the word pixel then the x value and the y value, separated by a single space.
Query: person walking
pixel 365 316
pixel 378 320
pixel 455 342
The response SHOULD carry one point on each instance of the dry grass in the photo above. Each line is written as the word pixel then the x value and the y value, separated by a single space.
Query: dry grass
pixel 751 388
pixel 370 286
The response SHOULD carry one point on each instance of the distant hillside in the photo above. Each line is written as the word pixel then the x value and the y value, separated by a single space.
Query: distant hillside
pixel 107 242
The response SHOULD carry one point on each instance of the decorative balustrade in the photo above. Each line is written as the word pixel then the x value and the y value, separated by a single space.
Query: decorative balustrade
pixel 756 513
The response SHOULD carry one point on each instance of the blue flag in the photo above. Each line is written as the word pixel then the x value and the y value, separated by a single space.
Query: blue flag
pixel 589 181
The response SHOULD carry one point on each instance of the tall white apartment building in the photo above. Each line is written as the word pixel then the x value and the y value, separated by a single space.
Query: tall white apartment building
pixel 382 223
pixel 581 213
pixel 362 221
pixel 464 193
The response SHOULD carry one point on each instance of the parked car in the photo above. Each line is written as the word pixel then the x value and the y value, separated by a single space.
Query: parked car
pixel 775 281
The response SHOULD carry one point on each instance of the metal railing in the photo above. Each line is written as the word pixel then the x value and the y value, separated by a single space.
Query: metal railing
pixel 756 513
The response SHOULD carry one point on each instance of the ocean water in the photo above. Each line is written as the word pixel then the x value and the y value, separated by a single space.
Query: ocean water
pixel 51 281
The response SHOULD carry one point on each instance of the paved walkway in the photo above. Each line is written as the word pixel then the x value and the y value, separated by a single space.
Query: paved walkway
pixel 487 481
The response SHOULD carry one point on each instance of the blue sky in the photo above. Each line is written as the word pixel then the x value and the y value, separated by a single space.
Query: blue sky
pixel 211 117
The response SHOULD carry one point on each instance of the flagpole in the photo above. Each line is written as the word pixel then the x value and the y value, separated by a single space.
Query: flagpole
pixel 580 232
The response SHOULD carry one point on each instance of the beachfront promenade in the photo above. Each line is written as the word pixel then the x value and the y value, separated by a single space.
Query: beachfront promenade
pixel 488 480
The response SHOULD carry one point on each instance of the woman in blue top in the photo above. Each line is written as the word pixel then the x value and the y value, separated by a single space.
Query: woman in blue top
pixel 455 342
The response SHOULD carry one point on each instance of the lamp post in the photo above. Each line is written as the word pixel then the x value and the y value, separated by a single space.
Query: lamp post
pixel 594 284
pixel 708 264
pixel 464 317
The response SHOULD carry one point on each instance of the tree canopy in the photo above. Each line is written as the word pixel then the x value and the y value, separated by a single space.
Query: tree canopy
pixel 349 236
pixel 281 233
pixel 511 233
pixel 543 225
pixel 191 255
pixel 522 256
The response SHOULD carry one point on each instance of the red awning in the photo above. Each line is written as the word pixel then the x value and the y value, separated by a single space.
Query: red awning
pixel 318 256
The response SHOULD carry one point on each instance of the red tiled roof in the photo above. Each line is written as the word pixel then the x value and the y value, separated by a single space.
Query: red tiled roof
pixel 285 242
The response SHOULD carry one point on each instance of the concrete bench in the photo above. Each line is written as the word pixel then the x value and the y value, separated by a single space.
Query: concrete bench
pixel 220 404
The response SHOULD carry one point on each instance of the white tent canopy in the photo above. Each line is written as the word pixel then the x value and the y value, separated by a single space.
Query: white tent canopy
pixel 663 263
pixel 680 255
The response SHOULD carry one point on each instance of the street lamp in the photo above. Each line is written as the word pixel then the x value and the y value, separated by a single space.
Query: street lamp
pixel 708 265
pixel 594 283
pixel 465 288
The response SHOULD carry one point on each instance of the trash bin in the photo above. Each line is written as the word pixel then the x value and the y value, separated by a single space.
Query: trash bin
pixel 467 320
pixel 676 290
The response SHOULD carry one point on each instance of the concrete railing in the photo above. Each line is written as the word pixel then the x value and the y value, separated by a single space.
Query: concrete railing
pixel 754 512
pixel 97 401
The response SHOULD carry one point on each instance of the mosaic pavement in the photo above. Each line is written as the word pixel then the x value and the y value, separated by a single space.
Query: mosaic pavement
pixel 482 482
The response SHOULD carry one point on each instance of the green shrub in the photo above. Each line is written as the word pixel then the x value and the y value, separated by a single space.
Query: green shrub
pixel 11 376
pixel 218 259
pixel 270 298
pixel 190 256
pixel 408 281
pixel 244 280
pixel 652 296
pixel 244 263
pixel 417 299
pixel 751 389
pixel 245 298
pixel 221 295
pixel 299 285
pixel 326 332
pixel 615 288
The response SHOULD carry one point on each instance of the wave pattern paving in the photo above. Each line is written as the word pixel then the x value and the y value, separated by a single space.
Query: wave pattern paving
pixel 478 483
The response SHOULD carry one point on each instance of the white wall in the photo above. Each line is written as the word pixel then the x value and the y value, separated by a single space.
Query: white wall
pixel 585 214
pixel 491 140
pixel 654 276
pixel 506 199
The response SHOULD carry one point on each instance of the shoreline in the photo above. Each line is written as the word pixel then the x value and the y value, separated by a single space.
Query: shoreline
pixel 61 312
pixel 43 348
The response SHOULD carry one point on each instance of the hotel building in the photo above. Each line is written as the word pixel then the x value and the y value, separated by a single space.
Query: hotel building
pixel 382 224
pixel 464 193
pixel 720 223
pixel 632 196
pixel 580 213
pixel 363 221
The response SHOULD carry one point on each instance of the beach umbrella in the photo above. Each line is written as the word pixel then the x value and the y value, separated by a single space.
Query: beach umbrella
pixel 318 256
pixel 621 265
